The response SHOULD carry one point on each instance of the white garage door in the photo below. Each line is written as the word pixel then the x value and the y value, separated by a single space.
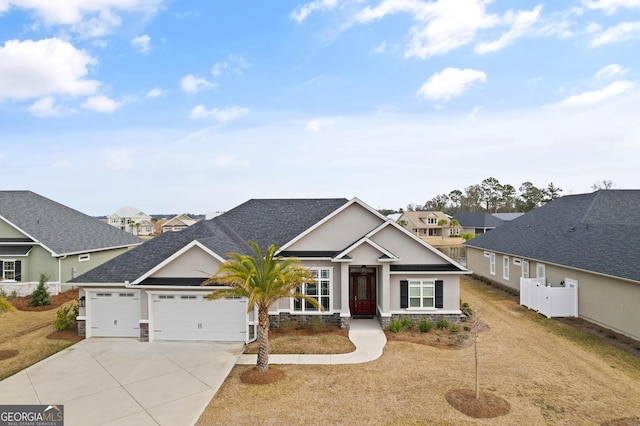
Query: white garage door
pixel 115 314
pixel 188 317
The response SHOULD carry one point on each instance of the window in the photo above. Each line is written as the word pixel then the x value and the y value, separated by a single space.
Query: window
pixel 540 270
pixel 454 231
pixel 8 270
pixel 492 263
pixel 319 290
pixel 505 267
pixel 84 257
pixel 421 293
pixel 525 269
pixel 432 221
pixel 517 262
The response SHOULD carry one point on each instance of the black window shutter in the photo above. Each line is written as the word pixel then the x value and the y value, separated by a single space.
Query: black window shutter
pixel 1 270
pixel 404 294
pixel 18 270
pixel 439 294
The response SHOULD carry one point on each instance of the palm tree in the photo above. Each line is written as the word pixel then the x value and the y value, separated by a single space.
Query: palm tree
pixel 263 279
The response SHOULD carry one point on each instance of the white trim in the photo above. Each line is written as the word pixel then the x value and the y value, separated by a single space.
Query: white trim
pixel 466 272
pixel 505 267
pixel 331 295
pixel 36 241
pixel 174 256
pixel 372 244
pixel 492 263
pixel 432 311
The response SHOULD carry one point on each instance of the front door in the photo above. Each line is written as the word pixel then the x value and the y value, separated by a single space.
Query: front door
pixel 362 300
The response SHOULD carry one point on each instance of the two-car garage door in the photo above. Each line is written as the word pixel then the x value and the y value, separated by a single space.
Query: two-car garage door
pixel 192 317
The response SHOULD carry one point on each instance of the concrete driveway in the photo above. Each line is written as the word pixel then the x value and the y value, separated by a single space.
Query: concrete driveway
pixel 126 382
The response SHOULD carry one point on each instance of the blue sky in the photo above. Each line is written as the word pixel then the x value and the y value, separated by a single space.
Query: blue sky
pixel 192 106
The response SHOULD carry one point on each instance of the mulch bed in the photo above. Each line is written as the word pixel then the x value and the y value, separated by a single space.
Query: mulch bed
pixel 255 377
pixel 22 303
pixel 298 330
pixel 486 407
pixel 8 353
pixel 70 335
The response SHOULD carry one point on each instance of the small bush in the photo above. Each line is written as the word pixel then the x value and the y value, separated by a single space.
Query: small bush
pixel 454 328
pixel 287 325
pixel 65 317
pixel 466 327
pixel 40 296
pixel 466 309
pixel 442 324
pixel 316 325
pixel 425 326
pixel 14 294
pixel 407 323
pixel 394 326
pixel 3 293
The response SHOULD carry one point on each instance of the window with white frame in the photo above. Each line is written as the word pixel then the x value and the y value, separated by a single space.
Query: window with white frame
pixel 492 263
pixel 505 267
pixel 319 290
pixel 432 220
pixel 525 269
pixel 84 257
pixel 8 270
pixel 422 293
pixel 540 271
pixel 454 231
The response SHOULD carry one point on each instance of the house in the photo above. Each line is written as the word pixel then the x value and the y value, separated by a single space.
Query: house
pixel 477 223
pixel 591 239
pixel 506 217
pixel 428 224
pixel 177 223
pixel 132 220
pixel 40 236
pixel 366 266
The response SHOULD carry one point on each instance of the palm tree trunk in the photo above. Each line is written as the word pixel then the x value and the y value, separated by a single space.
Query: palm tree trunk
pixel 263 340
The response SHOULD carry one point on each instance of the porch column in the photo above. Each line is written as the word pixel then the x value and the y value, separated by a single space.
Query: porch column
pixel 385 287
pixel 344 290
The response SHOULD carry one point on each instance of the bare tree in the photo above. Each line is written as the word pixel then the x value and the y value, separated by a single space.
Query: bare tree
pixel 603 184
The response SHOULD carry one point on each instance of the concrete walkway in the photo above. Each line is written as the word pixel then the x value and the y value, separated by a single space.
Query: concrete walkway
pixel 366 335
pixel 125 382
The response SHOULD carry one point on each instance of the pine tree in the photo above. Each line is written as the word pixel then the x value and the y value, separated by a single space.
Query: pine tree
pixel 40 296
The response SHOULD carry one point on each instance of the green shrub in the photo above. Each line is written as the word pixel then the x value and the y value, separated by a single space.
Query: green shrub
pixel 466 309
pixel 40 296
pixel 442 323
pixel 394 326
pixel 316 325
pixel 3 294
pixel 466 235
pixel 407 323
pixel 454 328
pixel 65 317
pixel 425 326
pixel 466 327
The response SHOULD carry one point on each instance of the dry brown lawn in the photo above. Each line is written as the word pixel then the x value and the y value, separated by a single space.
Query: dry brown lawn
pixel 333 341
pixel 26 332
pixel 549 372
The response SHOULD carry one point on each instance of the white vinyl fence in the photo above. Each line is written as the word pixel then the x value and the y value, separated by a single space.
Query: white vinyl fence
pixel 547 300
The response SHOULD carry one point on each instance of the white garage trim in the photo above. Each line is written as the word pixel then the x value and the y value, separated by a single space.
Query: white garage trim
pixel 112 312
pixel 187 315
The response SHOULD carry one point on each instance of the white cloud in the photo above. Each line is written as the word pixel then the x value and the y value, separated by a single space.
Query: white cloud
pixel 142 43
pixel 221 115
pixel 192 84
pixel 32 69
pixel 93 18
pixel 441 26
pixel 521 24
pixel 218 67
pixel 118 159
pixel 622 32
pixel 595 97
pixel 101 103
pixel 236 63
pixel 611 6
pixel 610 71
pixel 381 48
pixel 319 124
pixel 301 13
pixel 156 92
pixel 450 82
pixel 47 107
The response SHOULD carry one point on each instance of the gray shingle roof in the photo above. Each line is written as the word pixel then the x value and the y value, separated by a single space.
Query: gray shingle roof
pixel 263 221
pixel 598 232
pixel 60 228
pixel 477 220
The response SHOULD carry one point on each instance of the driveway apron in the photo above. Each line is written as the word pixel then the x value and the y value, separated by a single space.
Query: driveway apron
pixel 125 382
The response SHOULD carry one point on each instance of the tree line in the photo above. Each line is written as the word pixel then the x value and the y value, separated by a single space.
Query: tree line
pixel 489 196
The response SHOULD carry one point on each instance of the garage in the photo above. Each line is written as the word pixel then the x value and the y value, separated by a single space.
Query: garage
pixel 114 314
pixel 193 317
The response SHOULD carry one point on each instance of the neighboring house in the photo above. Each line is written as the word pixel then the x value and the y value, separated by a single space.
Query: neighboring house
pixel 40 236
pixel 589 238
pixel 425 224
pixel 366 265
pixel 132 220
pixel 506 217
pixel 177 223
pixel 477 223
